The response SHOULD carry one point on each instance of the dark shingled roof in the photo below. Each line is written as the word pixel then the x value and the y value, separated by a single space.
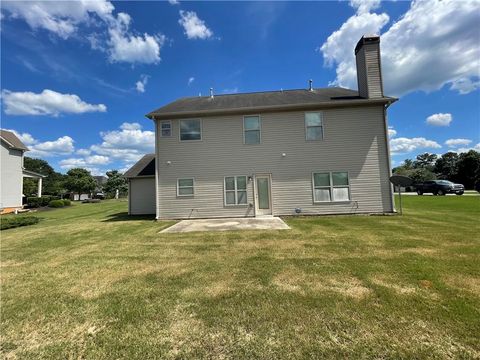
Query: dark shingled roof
pixel 144 167
pixel 268 100
pixel 12 139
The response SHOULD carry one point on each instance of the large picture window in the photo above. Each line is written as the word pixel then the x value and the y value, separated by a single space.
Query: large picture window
pixel 251 130
pixel 331 186
pixel 185 187
pixel 190 130
pixel 235 190
pixel 314 126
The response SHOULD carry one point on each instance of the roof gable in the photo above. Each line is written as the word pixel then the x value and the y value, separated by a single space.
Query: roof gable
pixel 144 167
pixel 12 140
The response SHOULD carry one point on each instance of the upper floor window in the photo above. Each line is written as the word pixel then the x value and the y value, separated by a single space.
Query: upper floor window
pixel 251 130
pixel 331 186
pixel 314 126
pixel 185 187
pixel 165 128
pixel 235 190
pixel 190 130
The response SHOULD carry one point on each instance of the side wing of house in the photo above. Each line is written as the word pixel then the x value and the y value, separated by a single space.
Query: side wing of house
pixel 219 175
pixel 11 181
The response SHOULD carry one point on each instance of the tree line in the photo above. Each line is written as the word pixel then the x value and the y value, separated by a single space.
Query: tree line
pixel 76 181
pixel 463 168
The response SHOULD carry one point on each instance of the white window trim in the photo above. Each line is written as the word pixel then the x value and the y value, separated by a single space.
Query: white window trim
pixel 235 191
pixel 180 130
pixel 306 127
pixel 259 124
pixel 165 122
pixel 331 187
pixel 193 187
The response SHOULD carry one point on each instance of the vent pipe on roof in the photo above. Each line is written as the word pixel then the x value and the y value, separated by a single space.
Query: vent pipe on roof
pixel 211 93
pixel 310 86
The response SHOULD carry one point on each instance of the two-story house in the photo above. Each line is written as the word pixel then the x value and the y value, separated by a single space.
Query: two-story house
pixel 12 172
pixel 307 151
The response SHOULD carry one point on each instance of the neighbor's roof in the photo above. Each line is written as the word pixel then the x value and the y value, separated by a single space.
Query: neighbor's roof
pixel 12 140
pixel 144 167
pixel 268 100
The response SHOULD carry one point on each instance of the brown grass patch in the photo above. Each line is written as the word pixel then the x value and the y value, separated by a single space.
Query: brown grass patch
pixel 468 283
pixel 295 280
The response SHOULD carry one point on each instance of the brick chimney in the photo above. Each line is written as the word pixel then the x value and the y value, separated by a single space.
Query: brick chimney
pixel 369 70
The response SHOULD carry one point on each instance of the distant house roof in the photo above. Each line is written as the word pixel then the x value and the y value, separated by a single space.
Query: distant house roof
pixel 144 167
pixel 268 100
pixel 12 140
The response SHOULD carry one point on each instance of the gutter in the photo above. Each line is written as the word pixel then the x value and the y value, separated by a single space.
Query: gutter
pixel 271 108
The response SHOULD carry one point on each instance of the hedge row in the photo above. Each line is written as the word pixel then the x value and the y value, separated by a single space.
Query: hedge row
pixel 34 202
pixel 11 222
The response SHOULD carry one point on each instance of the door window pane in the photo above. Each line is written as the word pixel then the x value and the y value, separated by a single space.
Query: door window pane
pixel 263 193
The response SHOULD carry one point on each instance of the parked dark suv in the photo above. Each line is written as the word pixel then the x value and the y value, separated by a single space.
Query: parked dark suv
pixel 439 187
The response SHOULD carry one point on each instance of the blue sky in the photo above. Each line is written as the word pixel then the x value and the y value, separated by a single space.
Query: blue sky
pixel 78 77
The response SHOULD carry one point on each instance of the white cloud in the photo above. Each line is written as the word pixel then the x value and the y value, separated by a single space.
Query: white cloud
pixel 191 80
pixel 465 149
pixel 61 18
pixel 439 119
pixel 364 6
pixel 111 34
pixel 48 102
pixel 435 43
pixel 391 131
pixel 126 47
pixel 406 145
pixel 86 162
pixel 83 152
pixel 233 90
pixel 62 146
pixel 174 2
pixel 140 84
pixel 128 144
pixel 194 27
pixel 457 142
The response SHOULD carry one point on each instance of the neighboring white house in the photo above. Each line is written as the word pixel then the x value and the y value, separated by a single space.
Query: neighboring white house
pixel 306 151
pixel 12 172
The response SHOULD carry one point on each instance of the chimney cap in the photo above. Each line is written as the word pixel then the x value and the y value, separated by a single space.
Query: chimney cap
pixel 367 39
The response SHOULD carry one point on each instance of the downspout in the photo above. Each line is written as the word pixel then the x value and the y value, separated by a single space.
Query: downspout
pixel 389 162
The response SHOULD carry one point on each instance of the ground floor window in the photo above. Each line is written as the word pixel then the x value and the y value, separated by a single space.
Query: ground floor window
pixel 185 187
pixel 235 189
pixel 331 186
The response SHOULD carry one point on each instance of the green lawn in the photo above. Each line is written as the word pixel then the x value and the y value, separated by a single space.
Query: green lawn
pixel 90 282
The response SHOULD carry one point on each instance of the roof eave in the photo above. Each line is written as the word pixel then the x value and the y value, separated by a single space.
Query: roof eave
pixel 246 110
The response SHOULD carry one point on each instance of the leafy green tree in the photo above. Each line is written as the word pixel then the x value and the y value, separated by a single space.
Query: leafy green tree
pixel 79 181
pixel 468 169
pixel 446 166
pixel 52 184
pixel 115 181
pixel 425 161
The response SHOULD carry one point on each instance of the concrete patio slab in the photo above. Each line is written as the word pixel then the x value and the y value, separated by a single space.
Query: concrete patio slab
pixel 228 224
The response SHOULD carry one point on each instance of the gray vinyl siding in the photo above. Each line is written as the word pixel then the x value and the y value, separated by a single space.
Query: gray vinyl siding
pixel 11 182
pixel 369 72
pixel 354 141
pixel 141 196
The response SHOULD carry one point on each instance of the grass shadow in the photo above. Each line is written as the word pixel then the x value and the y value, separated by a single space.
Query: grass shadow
pixel 123 216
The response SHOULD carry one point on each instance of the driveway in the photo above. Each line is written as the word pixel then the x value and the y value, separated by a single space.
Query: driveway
pixel 228 224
